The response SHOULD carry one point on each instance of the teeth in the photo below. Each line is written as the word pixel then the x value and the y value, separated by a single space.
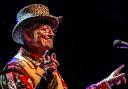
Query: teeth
pixel 47 37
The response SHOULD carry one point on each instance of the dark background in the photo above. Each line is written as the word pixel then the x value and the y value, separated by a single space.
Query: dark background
pixel 84 41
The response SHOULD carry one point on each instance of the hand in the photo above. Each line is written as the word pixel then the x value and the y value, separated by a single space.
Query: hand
pixel 116 77
pixel 50 63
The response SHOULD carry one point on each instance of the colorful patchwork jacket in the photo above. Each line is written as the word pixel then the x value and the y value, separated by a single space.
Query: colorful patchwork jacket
pixel 28 76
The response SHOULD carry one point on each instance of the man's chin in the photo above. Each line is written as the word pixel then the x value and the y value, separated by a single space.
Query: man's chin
pixel 49 47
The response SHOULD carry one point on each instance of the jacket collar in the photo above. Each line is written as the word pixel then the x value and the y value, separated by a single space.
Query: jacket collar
pixel 24 54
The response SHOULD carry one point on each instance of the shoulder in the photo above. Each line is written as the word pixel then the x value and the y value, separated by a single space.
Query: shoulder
pixel 13 66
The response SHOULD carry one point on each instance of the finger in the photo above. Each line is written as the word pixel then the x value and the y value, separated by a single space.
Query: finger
pixel 115 79
pixel 51 64
pixel 121 78
pixel 51 69
pixel 53 56
pixel 118 78
pixel 47 62
pixel 119 69
pixel 46 53
pixel 124 80
pixel 121 75
pixel 47 58
pixel 54 59
pixel 118 82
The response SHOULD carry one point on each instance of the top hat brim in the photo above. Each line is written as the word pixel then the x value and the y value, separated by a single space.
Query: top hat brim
pixel 16 33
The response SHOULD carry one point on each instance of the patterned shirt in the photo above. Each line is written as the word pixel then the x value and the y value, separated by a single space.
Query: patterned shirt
pixel 14 76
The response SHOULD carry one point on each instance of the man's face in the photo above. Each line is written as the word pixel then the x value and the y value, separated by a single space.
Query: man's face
pixel 42 37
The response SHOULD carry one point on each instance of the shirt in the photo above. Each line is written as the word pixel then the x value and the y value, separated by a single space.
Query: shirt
pixel 15 76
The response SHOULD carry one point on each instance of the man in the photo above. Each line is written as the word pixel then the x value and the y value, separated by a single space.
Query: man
pixel 33 67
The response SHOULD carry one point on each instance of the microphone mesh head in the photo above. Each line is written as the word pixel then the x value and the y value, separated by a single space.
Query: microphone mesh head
pixel 116 42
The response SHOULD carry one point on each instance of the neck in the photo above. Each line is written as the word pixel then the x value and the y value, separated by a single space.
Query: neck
pixel 38 54
pixel 35 52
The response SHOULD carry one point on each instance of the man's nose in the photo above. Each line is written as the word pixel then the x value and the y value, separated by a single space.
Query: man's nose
pixel 51 32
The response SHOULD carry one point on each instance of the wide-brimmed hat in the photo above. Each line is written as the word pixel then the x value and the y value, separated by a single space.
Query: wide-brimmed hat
pixel 30 14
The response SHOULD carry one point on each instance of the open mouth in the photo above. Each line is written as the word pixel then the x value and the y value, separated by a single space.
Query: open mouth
pixel 47 36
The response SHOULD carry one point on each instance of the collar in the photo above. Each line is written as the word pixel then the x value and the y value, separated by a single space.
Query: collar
pixel 37 61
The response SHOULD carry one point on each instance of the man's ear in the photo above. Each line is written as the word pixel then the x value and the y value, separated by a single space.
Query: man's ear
pixel 27 35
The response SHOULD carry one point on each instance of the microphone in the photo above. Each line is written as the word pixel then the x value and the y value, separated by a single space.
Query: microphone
pixel 120 44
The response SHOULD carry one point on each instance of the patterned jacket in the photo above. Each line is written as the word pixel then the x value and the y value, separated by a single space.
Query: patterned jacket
pixel 15 76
